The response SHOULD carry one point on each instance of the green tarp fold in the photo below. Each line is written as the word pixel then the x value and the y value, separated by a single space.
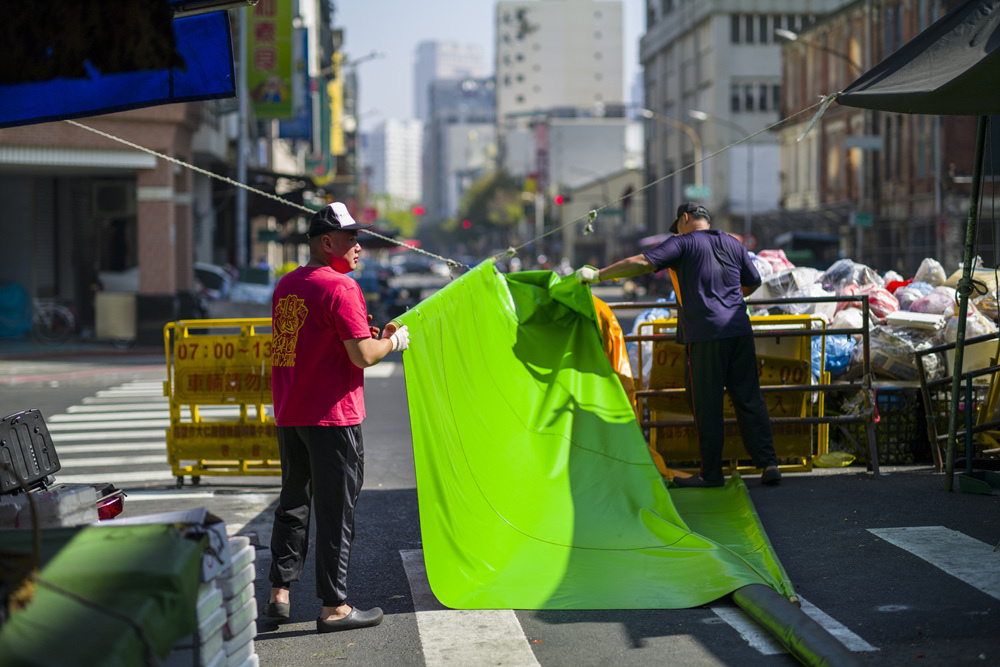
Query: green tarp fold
pixel 148 573
pixel 536 488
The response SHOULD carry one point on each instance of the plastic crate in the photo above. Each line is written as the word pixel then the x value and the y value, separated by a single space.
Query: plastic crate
pixel 900 433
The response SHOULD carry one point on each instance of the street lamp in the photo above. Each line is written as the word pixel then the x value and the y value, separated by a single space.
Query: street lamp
pixel 688 130
pixel 862 195
pixel 795 37
pixel 747 210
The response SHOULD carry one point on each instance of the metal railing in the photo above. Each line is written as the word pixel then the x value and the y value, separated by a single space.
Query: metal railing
pixel 865 416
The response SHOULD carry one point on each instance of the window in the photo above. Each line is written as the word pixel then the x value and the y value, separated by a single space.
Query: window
pixel 762 100
pixel 748 26
pixel 748 100
pixel 734 28
pixel 734 98
pixel 764 33
pixel 890 23
pixel 776 97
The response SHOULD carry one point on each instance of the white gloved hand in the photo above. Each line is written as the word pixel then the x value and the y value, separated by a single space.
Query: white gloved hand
pixel 587 274
pixel 400 339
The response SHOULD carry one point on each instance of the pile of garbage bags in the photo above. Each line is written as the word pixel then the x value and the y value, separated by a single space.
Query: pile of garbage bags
pixel 906 314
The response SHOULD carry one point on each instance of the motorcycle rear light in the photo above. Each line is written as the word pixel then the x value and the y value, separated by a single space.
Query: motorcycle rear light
pixel 110 508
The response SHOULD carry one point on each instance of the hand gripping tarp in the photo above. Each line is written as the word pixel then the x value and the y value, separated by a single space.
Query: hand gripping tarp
pixel 536 488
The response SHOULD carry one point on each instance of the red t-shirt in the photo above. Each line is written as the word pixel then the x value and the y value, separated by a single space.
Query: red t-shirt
pixel 313 381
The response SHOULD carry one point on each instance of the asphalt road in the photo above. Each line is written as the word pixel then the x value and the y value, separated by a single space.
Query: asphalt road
pixel 838 534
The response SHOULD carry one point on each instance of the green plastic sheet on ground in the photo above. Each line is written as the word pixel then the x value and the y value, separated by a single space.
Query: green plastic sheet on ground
pixel 536 488
pixel 148 573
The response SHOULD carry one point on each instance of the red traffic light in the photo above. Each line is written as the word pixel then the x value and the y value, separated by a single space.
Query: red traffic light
pixel 466 224
pixel 559 199
pixel 417 210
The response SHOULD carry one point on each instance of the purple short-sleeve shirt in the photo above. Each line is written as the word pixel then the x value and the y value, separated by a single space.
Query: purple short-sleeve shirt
pixel 711 266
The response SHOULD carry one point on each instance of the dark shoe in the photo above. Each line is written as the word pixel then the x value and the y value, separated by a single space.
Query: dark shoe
pixel 695 481
pixel 771 476
pixel 355 619
pixel 278 610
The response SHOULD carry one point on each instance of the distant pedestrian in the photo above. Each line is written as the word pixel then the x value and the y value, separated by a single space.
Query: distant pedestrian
pixel 712 275
pixel 322 340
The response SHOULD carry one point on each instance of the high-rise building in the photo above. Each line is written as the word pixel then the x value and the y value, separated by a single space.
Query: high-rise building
pixel 460 142
pixel 443 60
pixel 557 54
pixel 392 158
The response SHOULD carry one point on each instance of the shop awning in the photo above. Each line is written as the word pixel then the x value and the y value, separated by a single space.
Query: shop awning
pixel 135 55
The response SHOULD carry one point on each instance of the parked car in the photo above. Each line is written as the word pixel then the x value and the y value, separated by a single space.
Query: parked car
pixel 215 282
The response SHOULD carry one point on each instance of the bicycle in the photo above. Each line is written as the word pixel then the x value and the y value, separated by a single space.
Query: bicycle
pixel 52 322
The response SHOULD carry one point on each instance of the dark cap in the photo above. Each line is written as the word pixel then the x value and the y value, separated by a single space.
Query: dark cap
pixel 332 218
pixel 692 208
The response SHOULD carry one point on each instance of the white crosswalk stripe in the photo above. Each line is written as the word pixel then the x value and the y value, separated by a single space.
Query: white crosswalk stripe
pixel 118 436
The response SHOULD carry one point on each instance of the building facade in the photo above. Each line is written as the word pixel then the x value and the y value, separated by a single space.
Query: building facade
pixel 713 73
pixel 459 143
pixel 392 155
pixel 443 60
pixel 557 53
pixel 892 188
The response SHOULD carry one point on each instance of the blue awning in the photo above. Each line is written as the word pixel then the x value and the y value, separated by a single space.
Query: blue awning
pixel 202 42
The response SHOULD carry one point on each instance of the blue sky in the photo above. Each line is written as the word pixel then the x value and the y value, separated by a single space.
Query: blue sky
pixel 395 27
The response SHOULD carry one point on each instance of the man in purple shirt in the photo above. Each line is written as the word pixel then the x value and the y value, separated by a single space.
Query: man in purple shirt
pixel 712 274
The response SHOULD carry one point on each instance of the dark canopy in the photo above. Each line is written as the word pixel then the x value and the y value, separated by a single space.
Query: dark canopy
pixel 951 68
pixel 107 55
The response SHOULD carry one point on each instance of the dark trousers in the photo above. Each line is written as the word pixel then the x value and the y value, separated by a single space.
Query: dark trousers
pixel 713 367
pixel 322 465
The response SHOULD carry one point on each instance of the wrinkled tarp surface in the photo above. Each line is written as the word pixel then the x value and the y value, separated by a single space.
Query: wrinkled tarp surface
pixel 204 44
pixel 149 574
pixel 536 487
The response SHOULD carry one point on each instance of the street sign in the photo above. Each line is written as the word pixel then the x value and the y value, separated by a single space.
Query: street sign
pixel 865 220
pixel 867 142
pixel 697 191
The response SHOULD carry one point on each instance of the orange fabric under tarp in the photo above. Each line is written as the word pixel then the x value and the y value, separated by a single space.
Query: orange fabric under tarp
pixel 614 348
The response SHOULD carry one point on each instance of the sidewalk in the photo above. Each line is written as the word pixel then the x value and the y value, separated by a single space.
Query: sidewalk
pixel 31 349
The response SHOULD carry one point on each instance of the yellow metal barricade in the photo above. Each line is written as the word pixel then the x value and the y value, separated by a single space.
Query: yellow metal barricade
pixel 782 361
pixel 219 386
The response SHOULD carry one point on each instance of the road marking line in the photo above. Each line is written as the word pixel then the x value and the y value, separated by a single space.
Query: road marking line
pixel 956 553
pixel 765 642
pixel 116 407
pixel 748 628
pixel 111 435
pixel 62 427
pixel 381 370
pixel 109 461
pixel 112 412
pixel 117 447
pixel 119 478
pixel 463 636
pixel 115 400
pixel 836 628
pixel 135 496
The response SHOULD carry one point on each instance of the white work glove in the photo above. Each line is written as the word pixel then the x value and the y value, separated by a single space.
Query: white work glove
pixel 587 274
pixel 400 339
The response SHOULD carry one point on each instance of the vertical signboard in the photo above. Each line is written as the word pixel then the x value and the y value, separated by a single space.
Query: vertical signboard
pixel 269 49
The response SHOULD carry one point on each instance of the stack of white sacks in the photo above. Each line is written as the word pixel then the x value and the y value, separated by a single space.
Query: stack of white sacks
pixel 226 612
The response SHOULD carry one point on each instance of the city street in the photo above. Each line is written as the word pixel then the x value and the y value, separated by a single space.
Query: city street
pixel 926 595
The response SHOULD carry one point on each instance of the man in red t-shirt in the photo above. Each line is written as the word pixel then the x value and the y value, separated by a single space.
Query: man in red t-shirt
pixel 321 343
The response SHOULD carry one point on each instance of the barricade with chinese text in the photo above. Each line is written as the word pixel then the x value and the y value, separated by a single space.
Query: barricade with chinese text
pixel 219 386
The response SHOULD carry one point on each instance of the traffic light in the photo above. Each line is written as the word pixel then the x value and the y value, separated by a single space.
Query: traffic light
pixel 466 224
pixel 417 210
pixel 559 200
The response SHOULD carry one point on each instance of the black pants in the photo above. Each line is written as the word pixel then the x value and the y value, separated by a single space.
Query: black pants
pixel 715 365
pixel 322 465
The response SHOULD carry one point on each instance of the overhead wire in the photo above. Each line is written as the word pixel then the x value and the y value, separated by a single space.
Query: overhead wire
pixel 591 216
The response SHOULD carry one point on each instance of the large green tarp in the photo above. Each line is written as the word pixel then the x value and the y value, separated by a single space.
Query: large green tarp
pixel 536 487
